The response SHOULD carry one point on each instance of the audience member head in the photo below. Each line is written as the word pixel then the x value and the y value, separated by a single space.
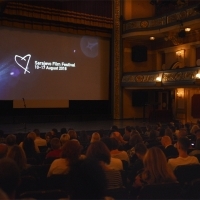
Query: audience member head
pixel 37 132
pixel 72 134
pixel 114 128
pixel 156 169
pixel 9 176
pixel 95 137
pixel 168 132
pixel 118 137
pixel 183 144
pixel 3 195
pixel 64 138
pixel 87 180
pixel 153 134
pixel 11 140
pixel 17 154
pixel 3 150
pixel 48 137
pixel 31 135
pixel 181 133
pixel 166 141
pixel 71 151
pixel 55 143
pixel 54 132
pixel 194 129
pixel 135 139
pixel 140 150
pixel 99 151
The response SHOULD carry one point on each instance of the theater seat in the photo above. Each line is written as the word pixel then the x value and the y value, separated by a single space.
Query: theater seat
pixel 161 191
pixel 45 194
pixel 187 173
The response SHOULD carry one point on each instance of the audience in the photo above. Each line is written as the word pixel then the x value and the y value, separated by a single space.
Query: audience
pixel 183 145
pixel 71 152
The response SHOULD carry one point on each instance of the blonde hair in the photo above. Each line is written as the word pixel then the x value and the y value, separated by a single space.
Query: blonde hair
pixel 156 169
pixel 31 135
pixel 95 137
pixel 64 138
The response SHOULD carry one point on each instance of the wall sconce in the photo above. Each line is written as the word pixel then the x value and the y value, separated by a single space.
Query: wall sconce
pixel 180 53
pixel 198 75
pixel 180 92
pixel 158 79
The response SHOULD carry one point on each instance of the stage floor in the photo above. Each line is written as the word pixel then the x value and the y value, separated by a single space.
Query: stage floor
pixel 77 125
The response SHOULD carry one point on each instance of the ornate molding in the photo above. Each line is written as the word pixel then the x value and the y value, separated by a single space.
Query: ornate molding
pixel 174 77
pixel 145 24
pixel 117 60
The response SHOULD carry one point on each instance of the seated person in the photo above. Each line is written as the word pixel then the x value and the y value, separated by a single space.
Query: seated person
pixel 183 144
pixel 137 166
pixel 71 152
pixel 100 152
pixel 55 149
pixel 169 149
pixel 156 169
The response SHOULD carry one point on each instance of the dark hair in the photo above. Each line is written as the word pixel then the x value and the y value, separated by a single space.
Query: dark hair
pixel 99 151
pixel 184 143
pixel 55 143
pixel 11 140
pixel 87 180
pixel 128 128
pixel 9 175
pixel 140 148
pixel 71 150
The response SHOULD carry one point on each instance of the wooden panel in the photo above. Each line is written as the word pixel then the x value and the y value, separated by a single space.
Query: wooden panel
pixel 195 106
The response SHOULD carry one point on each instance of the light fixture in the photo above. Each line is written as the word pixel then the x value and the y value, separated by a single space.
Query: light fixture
pixel 180 92
pixel 198 75
pixel 180 53
pixel 187 29
pixel 158 79
pixel 152 38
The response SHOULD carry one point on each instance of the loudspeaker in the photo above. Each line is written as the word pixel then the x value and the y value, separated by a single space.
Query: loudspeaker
pixel 139 53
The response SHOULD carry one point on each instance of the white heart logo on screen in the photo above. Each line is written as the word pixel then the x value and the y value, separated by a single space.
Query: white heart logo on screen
pixel 23 62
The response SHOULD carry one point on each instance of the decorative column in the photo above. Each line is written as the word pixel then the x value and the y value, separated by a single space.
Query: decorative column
pixel 117 60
